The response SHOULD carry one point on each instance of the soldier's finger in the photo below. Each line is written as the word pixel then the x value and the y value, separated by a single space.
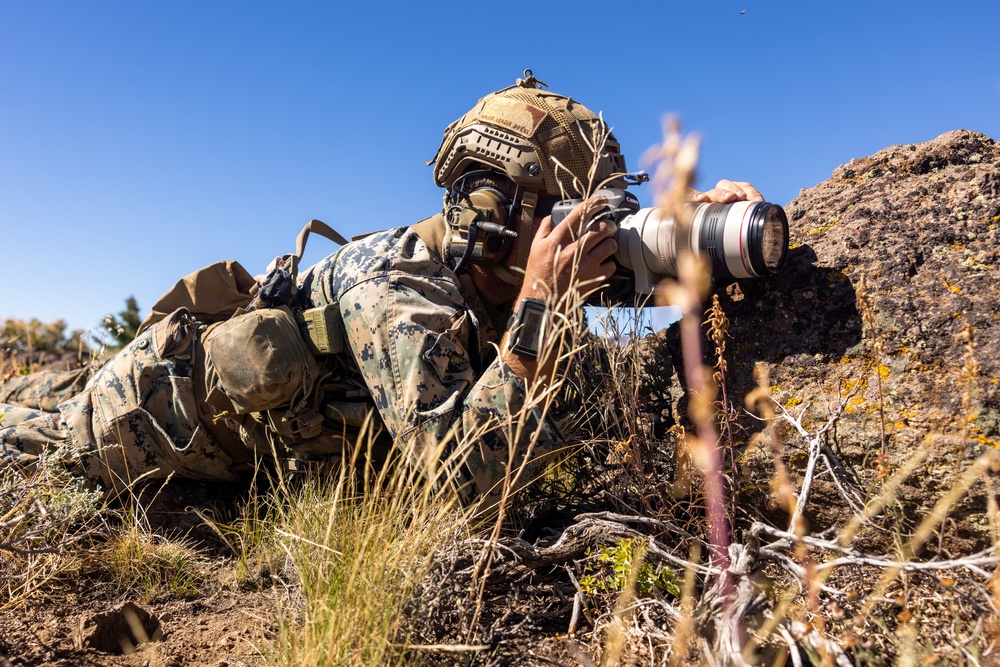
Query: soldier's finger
pixel 604 250
pixel 752 193
pixel 697 196
pixel 717 195
pixel 608 269
pixel 581 215
pixel 600 272
pixel 544 228
pixel 729 186
pixel 599 232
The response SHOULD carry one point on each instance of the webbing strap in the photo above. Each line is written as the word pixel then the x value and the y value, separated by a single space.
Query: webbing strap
pixel 319 227
pixel 529 200
pixel 432 232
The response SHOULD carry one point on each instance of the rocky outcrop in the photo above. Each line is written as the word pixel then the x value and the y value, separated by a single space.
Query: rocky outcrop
pixel 893 259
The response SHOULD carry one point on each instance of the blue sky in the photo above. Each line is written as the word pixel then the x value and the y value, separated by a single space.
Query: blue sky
pixel 142 140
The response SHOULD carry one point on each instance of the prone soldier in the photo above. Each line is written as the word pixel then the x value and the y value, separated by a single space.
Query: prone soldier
pixel 441 324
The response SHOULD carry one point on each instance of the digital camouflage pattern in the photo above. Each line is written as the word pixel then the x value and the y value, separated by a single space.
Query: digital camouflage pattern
pixel 423 342
pixel 27 434
pixel 137 416
pixel 44 390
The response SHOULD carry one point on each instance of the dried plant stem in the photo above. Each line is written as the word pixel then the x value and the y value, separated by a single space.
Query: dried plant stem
pixel 941 509
pixel 854 557
pixel 867 306
pixel 676 161
pixel 970 373
pixel 715 488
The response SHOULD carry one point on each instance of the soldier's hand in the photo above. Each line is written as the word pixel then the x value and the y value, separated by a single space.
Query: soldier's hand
pixel 725 192
pixel 575 252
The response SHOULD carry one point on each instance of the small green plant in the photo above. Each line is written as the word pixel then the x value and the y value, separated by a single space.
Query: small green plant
pixel 619 559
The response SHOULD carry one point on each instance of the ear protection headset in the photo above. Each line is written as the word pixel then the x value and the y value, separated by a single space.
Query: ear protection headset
pixel 483 223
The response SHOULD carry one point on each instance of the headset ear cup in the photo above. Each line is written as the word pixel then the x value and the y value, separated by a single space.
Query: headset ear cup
pixel 525 222
pixel 492 205
pixel 487 209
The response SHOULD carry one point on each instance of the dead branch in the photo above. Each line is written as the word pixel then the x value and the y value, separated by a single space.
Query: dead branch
pixel 35 534
pixel 816 450
pixel 855 557
pixel 646 520
pixel 592 533
pixel 840 476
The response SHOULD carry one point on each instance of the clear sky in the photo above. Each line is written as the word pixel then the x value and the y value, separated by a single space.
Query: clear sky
pixel 142 140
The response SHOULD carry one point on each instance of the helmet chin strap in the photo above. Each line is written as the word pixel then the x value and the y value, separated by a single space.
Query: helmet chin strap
pixel 529 200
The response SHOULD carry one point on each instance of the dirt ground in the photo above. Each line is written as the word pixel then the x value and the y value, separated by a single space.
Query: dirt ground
pixel 87 620
pixel 225 628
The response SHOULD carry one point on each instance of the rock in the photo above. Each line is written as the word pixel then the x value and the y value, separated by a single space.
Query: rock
pixel 918 225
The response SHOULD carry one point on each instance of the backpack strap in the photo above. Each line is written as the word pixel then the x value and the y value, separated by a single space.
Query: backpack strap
pixel 318 227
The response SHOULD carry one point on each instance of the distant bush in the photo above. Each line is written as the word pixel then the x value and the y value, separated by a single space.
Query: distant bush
pixel 121 328
pixel 37 335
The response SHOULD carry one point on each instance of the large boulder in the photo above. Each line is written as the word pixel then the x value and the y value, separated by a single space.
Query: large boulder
pixel 917 227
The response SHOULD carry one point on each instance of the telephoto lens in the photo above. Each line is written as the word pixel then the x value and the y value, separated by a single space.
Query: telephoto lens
pixel 745 239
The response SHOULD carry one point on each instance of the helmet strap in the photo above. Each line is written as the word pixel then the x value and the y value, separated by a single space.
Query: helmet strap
pixel 529 200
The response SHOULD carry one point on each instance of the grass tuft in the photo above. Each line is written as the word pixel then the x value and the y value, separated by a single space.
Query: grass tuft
pixel 356 551
pixel 156 568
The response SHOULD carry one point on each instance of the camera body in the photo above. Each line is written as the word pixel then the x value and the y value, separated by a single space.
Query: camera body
pixel 745 239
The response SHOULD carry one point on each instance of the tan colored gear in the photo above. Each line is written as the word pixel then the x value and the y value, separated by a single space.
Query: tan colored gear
pixel 541 140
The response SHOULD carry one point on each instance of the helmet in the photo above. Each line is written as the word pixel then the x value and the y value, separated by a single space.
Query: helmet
pixel 544 142
pixel 549 146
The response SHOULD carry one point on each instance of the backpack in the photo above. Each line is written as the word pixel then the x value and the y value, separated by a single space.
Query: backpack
pixel 260 355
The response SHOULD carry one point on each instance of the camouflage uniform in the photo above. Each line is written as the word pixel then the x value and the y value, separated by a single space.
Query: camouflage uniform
pixel 44 390
pixel 137 416
pixel 421 339
pixel 424 343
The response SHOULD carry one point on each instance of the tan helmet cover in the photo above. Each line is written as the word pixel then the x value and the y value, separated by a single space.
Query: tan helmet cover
pixel 542 141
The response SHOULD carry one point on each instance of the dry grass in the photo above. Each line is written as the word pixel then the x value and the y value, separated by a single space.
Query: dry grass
pixel 357 545
pixel 48 525
pixel 153 567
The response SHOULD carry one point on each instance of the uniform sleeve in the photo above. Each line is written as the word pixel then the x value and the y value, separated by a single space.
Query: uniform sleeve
pixel 416 345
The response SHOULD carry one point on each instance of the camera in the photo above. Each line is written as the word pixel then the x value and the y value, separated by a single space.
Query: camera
pixel 744 239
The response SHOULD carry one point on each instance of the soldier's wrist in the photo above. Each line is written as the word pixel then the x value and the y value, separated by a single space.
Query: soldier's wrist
pixel 527 328
pixel 533 288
